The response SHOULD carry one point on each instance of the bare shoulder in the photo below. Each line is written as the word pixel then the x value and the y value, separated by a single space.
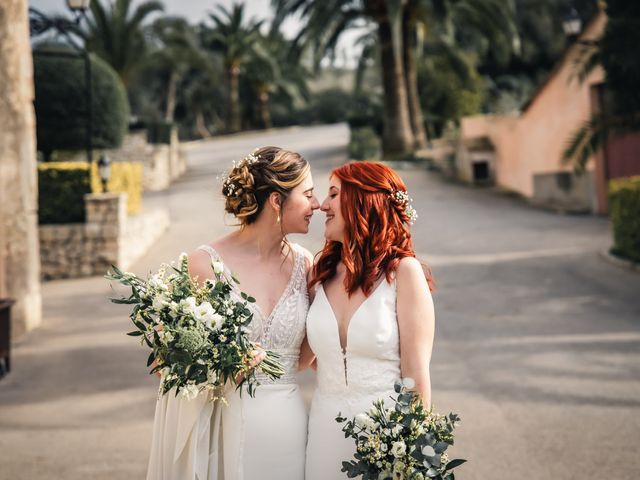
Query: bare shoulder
pixel 199 262
pixel 410 275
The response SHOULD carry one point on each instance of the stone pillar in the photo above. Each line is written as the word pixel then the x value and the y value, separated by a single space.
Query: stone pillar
pixel 19 248
pixel 107 219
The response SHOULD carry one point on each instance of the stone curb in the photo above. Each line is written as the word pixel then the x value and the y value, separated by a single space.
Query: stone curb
pixel 620 262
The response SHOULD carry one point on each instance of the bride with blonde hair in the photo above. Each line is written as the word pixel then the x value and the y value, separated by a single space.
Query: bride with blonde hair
pixel 270 193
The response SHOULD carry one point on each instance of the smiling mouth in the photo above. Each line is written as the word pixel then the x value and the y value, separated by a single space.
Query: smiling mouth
pixel 329 217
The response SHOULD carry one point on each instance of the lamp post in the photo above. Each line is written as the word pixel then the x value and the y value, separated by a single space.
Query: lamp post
pixel 572 23
pixel 79 10
pixel 104 170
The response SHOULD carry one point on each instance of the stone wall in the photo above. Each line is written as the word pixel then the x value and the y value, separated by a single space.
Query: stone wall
pixel 19 255
pixel 162 163
pixel 109 237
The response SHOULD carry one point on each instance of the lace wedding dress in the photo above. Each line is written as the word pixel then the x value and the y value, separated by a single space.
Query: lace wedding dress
pixel 349 380
pixel 262 437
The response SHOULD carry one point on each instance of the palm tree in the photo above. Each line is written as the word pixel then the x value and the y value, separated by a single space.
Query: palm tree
pixel 115 34
pixel 327 20
pixel 175 51
pixel 439 21
pixel 236 41
pixel 275 69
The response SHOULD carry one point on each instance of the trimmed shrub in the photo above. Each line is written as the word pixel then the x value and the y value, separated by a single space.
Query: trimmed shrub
pixel 364 144
pixel 62 186
pixel 61 190
pixel 624 210
pixel 60 102
pixel 159 132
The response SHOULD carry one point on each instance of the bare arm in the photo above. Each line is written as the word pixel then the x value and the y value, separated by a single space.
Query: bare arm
pixel 307 357
pixel 416 321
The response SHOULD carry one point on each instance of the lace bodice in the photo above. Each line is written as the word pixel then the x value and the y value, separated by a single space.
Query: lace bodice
pixel 284 329
pixel 370 363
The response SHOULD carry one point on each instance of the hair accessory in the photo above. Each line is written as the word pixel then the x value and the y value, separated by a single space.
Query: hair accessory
pixel 230 189
pixel 403 199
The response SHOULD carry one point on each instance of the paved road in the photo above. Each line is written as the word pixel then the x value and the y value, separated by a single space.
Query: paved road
pixel 537 345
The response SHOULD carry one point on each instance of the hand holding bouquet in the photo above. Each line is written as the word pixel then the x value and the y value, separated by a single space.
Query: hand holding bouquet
pixel 403 442
pixel 197 333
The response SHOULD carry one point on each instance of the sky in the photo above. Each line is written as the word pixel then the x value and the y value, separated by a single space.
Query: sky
pixel 197 10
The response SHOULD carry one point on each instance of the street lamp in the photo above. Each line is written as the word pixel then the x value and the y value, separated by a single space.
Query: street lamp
pixel 572 23
pixel 104 170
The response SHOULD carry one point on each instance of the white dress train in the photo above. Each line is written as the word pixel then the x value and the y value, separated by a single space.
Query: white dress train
pixel 262 437
pixel 349 383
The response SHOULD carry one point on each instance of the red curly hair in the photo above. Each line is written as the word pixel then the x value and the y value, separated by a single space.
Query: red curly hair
pixel 377 232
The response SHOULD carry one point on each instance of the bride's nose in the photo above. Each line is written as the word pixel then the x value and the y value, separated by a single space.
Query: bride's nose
pixel 315 204
pixel 325 205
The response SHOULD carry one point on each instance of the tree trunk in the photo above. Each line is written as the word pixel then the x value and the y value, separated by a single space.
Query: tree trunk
pixel 171 96
pixel 397 138
pixel 264 116
pixel 233 107
pixel 411 75
pixel 201 126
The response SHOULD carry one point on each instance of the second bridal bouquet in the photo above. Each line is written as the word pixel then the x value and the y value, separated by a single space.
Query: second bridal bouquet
pixel 405 441
pixel 197 334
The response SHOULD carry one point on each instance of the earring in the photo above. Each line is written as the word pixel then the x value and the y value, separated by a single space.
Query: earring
pixel 278 218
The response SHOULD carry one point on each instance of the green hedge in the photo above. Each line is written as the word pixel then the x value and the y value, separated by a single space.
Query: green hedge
pixel 624 210
pixel 159 132
pixel 60 102
pixel 62 186
pixel 61 190
pixel 364 144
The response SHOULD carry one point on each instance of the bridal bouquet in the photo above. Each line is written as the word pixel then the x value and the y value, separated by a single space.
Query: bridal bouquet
pixel 403 442
pixel 197 334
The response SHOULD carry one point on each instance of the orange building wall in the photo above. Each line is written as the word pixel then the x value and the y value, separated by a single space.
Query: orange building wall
pixel 533 141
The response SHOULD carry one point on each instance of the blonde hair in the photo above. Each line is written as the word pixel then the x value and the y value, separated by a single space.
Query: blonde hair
pixel 249 184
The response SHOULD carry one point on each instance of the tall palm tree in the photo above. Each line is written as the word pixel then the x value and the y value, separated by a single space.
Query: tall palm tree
pixel 275 69
pixel 115 33
pixel 327 20
pixel 175 50
pixel 236 40
pixel 439 21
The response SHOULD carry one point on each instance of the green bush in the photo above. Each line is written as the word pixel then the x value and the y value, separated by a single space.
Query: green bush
pixel 364 144
pixel 330 106
pixel 159 132
pixel 366 111
pixel 624 210
pixel 61 190
pixel 60 102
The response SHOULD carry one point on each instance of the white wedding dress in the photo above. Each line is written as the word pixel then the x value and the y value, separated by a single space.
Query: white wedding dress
pixel 262 437
pixel 349 383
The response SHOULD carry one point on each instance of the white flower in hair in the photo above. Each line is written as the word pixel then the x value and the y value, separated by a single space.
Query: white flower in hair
pixel 403 199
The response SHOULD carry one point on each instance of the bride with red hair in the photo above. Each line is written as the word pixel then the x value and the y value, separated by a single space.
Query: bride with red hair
pixel 372 320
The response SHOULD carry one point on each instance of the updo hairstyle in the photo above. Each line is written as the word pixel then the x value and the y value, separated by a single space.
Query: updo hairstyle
pixel 250 182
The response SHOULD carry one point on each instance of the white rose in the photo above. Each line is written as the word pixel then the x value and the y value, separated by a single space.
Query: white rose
pixel 204 313
pixel 398 449
pixel 218 267
pixel 216 321
pixel 363 420
pixel 189 391
pixel 409 383
pixel 168 337
pixel 396 430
